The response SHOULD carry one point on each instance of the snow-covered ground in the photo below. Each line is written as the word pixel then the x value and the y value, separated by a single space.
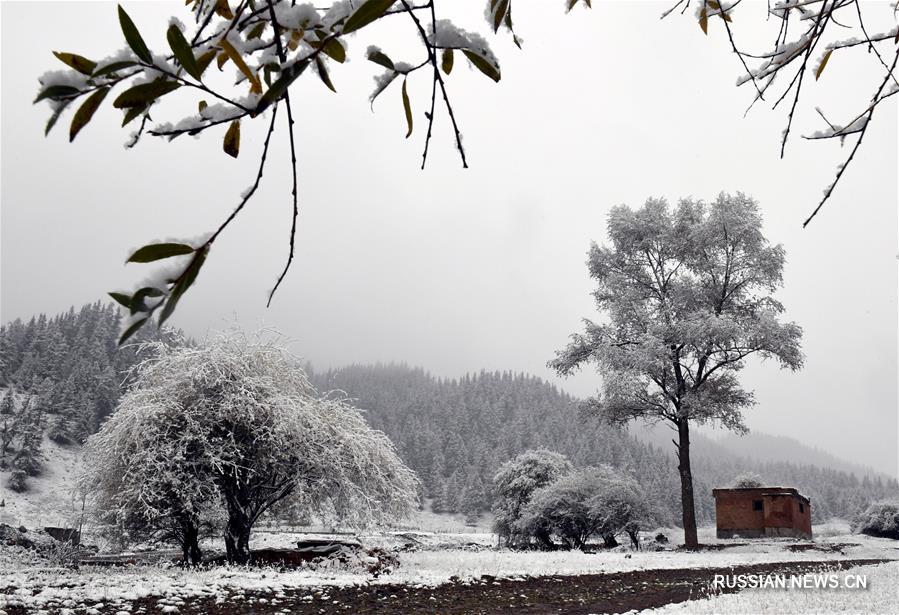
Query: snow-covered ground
pixel 49 500
pixel 439 558
pixel 880 595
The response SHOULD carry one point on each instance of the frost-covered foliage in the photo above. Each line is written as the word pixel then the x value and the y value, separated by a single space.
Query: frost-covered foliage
pixel 580 505
pixel 236 424
pixel 688 296
pixel 515 482
pixel 747 480
pixel 806 37
pixel 879 519
pixel 270 45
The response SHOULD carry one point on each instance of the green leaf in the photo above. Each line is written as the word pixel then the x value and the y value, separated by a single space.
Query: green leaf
pixel 113 67
pixel 183 53
pixel 133 37
pixel 137 301
pixel 379 57
pixel 56 92
pixel 132 329
pixel 157 251
pixel 823 64
pixel 144 93
pixel 367 12
pixel 86 112
pixel 382 88
pixel 332 47
pixel 134 112
pixel 205 60
pixel 121 298
pixel 53 118
pixel 183 283
pixel 256 31
pixel 276 91
pixel 79 63
pixel 323 74
pixel 500 8
pixel 231 144
pixel 447 61
pixel 481 63
pixel 407 106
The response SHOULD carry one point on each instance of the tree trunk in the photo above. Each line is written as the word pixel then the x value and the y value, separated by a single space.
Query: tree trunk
pixel 190 546
pixel 686 485
pixel 608 540
pixel 634 535
pixel 545 540
pixel 237 538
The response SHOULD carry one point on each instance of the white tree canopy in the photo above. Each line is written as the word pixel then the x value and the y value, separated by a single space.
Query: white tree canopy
pixel 239 415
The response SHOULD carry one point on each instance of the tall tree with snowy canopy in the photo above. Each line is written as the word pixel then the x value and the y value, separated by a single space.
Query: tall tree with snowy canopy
pixel 687 296
pixel 270 44
pixel 236 424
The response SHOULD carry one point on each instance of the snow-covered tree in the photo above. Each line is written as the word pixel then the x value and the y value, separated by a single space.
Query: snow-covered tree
pixel 8 403
pixel 236 423
pixel 748 480
pixel 879 519
pixel 687 296
pixel 514 484
pixel 585 503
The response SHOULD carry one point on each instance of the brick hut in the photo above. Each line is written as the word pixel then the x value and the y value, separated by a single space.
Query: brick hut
pixel 762 511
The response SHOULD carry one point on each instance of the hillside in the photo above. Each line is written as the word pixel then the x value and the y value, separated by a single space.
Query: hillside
pixel 63 375
pixel 456 432
pixel 49 500
pixel 755 446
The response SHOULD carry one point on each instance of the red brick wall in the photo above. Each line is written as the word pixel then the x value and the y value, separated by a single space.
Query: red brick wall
pixel 733 510
pixel 780 514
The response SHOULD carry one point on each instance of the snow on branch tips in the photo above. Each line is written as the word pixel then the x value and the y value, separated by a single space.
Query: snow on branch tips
pixel 233 430
pixel 800 53
pixel 267 45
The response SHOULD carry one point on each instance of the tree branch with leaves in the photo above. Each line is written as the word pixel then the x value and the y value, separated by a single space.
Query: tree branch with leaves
pixel 803 47
pixel 271 44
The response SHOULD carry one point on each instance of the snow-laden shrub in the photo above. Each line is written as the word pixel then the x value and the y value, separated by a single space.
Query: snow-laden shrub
pixel 513 485
pixel 747 480
pixel 879 519
pixel 236 425
pixel 595 501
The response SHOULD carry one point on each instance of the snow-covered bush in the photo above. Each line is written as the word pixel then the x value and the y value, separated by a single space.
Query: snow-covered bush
pixel 595 501
pixel 747 480
pixel 235 425
pixel 515 482
pixel 879 519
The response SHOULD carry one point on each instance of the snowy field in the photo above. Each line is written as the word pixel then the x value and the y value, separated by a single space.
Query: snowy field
pixel 29 582
pixel 881 595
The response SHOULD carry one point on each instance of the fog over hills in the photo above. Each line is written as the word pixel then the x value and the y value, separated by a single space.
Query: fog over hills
pixel 758 446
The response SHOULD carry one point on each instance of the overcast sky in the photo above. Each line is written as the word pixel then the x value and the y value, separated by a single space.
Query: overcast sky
pixel 459 270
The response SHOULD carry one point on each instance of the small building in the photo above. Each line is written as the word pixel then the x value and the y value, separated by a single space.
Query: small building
pixel 762 511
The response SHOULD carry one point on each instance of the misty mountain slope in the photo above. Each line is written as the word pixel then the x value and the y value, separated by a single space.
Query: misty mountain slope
pixel 49 499
pixel 68 375
pixel 455 434
pixel 754 446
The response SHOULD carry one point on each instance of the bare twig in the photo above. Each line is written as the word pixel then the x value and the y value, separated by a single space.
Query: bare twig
pixel 293 155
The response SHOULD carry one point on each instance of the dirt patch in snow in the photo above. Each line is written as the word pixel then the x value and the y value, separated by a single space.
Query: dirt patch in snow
pixel 581 594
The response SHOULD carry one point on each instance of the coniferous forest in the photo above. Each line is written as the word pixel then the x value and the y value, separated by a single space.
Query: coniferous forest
pixel 63 375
